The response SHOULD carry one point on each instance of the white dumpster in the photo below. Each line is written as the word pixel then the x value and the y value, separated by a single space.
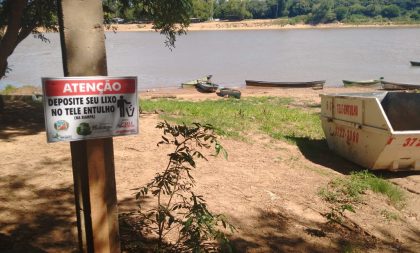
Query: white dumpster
pixel 379 130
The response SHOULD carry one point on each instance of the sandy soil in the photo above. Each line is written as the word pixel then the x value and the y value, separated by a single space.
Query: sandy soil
pixel 267 188
pixel 256 24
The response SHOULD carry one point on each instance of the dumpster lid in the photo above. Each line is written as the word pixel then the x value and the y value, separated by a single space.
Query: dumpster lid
pixel 378 95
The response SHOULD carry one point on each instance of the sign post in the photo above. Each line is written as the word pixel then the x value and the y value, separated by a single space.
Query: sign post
pixel 83 51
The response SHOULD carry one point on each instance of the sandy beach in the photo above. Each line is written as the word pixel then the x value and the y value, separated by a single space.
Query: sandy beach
pixel 257 24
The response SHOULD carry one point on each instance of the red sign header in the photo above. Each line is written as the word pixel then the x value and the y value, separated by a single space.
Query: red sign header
pixel 99 86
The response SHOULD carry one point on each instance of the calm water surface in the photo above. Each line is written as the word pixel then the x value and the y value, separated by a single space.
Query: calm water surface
pixel 233 56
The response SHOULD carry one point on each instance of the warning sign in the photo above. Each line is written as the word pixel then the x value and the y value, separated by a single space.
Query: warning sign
pixel 79 108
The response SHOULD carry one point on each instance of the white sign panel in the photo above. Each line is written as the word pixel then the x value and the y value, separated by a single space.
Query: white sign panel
pixel 80 108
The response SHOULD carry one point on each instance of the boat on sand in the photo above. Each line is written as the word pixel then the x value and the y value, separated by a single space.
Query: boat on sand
pixel 193 83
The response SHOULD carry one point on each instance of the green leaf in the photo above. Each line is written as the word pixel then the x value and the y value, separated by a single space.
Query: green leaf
pixel 348 208
pixel 219 148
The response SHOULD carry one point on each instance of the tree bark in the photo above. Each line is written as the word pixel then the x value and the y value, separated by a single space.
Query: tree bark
pixel 11 37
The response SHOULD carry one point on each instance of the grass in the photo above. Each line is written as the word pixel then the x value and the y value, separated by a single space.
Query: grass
pixel 349 190
pixel 388 215
pixel 8 89
pixel 319 171
pixel 270 115
pixel 379 185
pixel 345 193
pixel 348 247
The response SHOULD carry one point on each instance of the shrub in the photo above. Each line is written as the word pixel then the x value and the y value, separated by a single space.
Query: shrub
pixel 178 208
pixel 344 193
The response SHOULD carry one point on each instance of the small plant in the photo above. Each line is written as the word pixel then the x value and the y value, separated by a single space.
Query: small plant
pixel 178 208
pixel 345 193
pixel 379 185
pixel 337 212
pixel 348 247
pixel 388 215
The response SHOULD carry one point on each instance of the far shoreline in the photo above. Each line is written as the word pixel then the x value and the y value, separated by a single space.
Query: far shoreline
pixel 249 25
pixel 254 24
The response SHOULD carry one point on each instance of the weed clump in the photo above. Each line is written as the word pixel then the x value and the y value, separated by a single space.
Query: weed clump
pixel 345 193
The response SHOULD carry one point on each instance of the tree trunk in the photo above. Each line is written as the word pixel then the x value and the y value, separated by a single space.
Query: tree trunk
pixel 11 38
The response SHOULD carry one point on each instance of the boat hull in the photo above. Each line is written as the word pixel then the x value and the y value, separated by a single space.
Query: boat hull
pixel 361 83
pixel 193 83
pixel 313 84
pixel 207 87
pixel 415 63
pixel 399 86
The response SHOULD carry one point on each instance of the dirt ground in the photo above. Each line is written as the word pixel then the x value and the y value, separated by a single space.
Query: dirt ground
pixel 267 188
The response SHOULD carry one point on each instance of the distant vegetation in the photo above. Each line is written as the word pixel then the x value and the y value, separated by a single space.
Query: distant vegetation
pixel 8 89
pixel 302 11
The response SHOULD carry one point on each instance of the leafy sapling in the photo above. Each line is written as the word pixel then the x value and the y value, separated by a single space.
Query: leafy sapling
pixel 178 209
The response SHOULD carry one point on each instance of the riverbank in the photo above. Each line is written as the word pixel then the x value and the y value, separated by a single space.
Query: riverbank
pixel 256 24
pixel 268 188
pixel 193 94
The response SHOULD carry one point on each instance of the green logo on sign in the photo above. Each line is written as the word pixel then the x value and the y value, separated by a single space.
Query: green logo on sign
pixel 83 129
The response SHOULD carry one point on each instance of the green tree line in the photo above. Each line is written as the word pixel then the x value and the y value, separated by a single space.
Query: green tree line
pixel 306 11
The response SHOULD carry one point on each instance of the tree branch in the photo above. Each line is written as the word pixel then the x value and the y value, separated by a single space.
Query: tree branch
pixel 24 32
pixel 10 38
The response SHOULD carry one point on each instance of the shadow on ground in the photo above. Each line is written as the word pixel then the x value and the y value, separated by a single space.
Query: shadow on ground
pixel 38 218
pixel 396 174
pixel 21 118
pixel 273 232
pixel 317 151
pixel 288 233
pixel 35 219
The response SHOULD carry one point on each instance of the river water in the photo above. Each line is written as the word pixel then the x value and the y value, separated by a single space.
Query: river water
pixel 233 56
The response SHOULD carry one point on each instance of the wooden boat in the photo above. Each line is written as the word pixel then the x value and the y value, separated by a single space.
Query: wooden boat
pixel 399 86
pixel 207 87
pixel 194 82
pixel 361 83
pixel 415 63
pixel 313 84
pixel 228 92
